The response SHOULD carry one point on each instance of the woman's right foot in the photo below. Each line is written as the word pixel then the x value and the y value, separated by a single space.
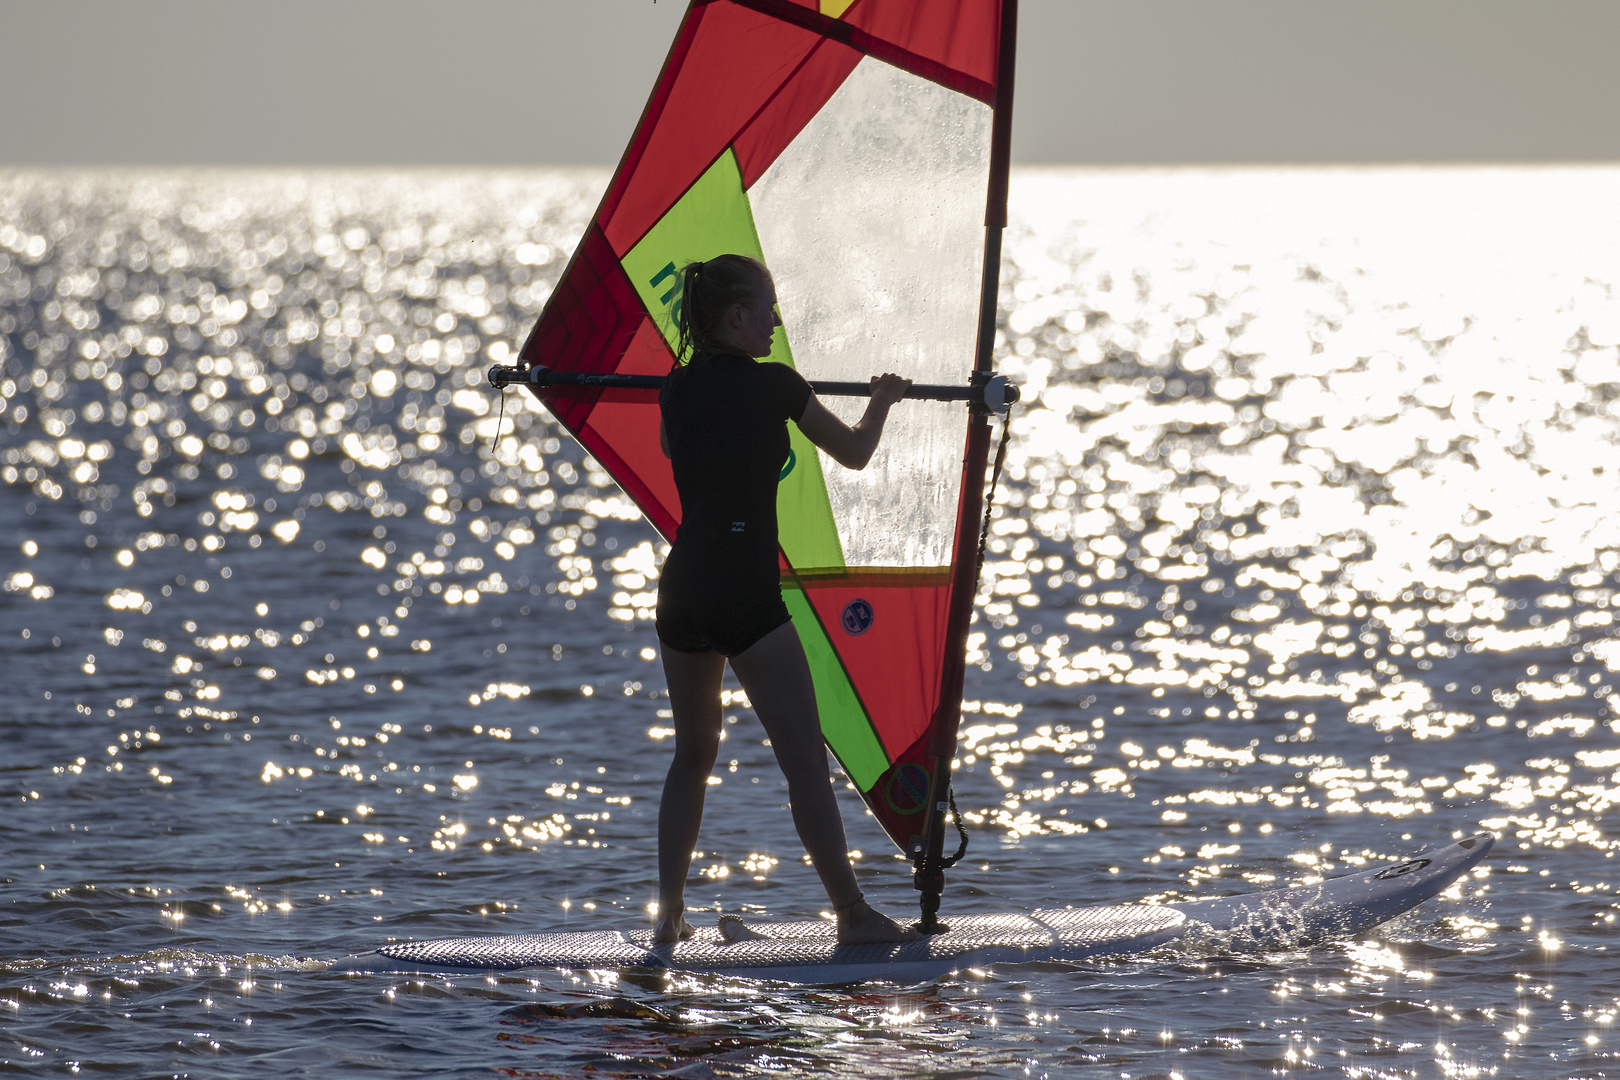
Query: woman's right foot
pixel 861 924
pixel 672 928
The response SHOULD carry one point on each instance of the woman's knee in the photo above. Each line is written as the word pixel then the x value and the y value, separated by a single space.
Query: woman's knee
pixel 796 737
pixel 697 749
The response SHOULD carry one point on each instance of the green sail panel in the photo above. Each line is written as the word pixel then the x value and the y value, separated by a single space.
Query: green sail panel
pixel 714 218
pixel 844 723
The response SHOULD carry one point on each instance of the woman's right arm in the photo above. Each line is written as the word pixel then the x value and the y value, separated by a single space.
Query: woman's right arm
pixel 852 447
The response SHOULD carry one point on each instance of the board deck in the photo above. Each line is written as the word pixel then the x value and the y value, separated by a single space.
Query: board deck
pixel 809 951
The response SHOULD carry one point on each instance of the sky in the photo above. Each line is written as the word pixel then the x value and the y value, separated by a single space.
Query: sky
pixel 540 82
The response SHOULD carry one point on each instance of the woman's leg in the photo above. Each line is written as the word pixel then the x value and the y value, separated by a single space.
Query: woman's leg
pixel 694 699
pixel 776 676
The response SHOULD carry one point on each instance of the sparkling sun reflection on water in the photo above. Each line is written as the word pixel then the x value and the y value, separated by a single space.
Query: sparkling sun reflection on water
pixel 1303 560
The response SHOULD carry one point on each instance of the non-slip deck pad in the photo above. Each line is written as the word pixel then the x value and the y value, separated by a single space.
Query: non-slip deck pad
pixel 794 944
pixel 810 952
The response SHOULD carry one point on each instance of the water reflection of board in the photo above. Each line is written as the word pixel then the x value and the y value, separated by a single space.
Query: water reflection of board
pixel 809 952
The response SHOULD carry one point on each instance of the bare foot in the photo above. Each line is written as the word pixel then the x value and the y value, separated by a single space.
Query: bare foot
pixel 672 928
pixel 862 924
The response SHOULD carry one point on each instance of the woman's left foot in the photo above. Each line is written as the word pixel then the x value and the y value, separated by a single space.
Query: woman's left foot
pixel 861 924
pixel 672 929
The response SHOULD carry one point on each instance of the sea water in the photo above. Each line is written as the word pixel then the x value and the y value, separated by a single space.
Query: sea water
pixel 1304 558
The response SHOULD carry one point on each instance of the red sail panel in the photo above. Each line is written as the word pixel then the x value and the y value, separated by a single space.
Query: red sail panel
pixel 900 796
pixel 892 654
pixel 962 36
pixel 951 42
pixel 623 436
pixel 589 322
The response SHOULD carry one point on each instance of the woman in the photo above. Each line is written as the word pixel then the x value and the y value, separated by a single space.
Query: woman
pixel 724 428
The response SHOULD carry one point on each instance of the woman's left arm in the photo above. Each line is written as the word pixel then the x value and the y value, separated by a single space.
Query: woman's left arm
pixel 852 447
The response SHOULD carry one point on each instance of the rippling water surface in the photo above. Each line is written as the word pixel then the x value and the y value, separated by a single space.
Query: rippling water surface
pixel 1306 557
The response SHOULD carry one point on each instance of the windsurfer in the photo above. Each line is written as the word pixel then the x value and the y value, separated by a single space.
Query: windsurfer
pixel 724 428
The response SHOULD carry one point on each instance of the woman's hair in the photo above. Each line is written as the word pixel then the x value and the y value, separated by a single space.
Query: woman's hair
pixel 707 290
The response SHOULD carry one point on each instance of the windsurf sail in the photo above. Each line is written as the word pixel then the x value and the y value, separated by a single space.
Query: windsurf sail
pixel 859 149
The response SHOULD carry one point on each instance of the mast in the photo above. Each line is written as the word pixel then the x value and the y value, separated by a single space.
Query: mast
pixel 929 863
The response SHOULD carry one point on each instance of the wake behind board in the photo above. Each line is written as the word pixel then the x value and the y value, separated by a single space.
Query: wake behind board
pixel 809 951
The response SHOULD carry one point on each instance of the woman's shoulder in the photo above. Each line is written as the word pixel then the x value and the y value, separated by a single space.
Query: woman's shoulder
pixel 740 374
pixel 789 387
pixel 706 363
pixel 703 374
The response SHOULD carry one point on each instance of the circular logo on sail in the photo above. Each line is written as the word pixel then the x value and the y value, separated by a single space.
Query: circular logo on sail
pixel 793 459
pixel 857 617
pixel 907 790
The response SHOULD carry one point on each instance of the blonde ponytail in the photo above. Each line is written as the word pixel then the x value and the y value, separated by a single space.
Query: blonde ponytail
pixel 708 289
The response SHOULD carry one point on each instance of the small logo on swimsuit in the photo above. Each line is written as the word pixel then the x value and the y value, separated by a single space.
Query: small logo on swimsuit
pixel 857 617
pixel 1401 869
pixel 907 790
pixel 739 526
pixel 793 459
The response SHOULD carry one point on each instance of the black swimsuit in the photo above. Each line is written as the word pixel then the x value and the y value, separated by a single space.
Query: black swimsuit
pixel 726 420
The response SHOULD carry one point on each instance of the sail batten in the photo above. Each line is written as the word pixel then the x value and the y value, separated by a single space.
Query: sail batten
pixel 851 145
